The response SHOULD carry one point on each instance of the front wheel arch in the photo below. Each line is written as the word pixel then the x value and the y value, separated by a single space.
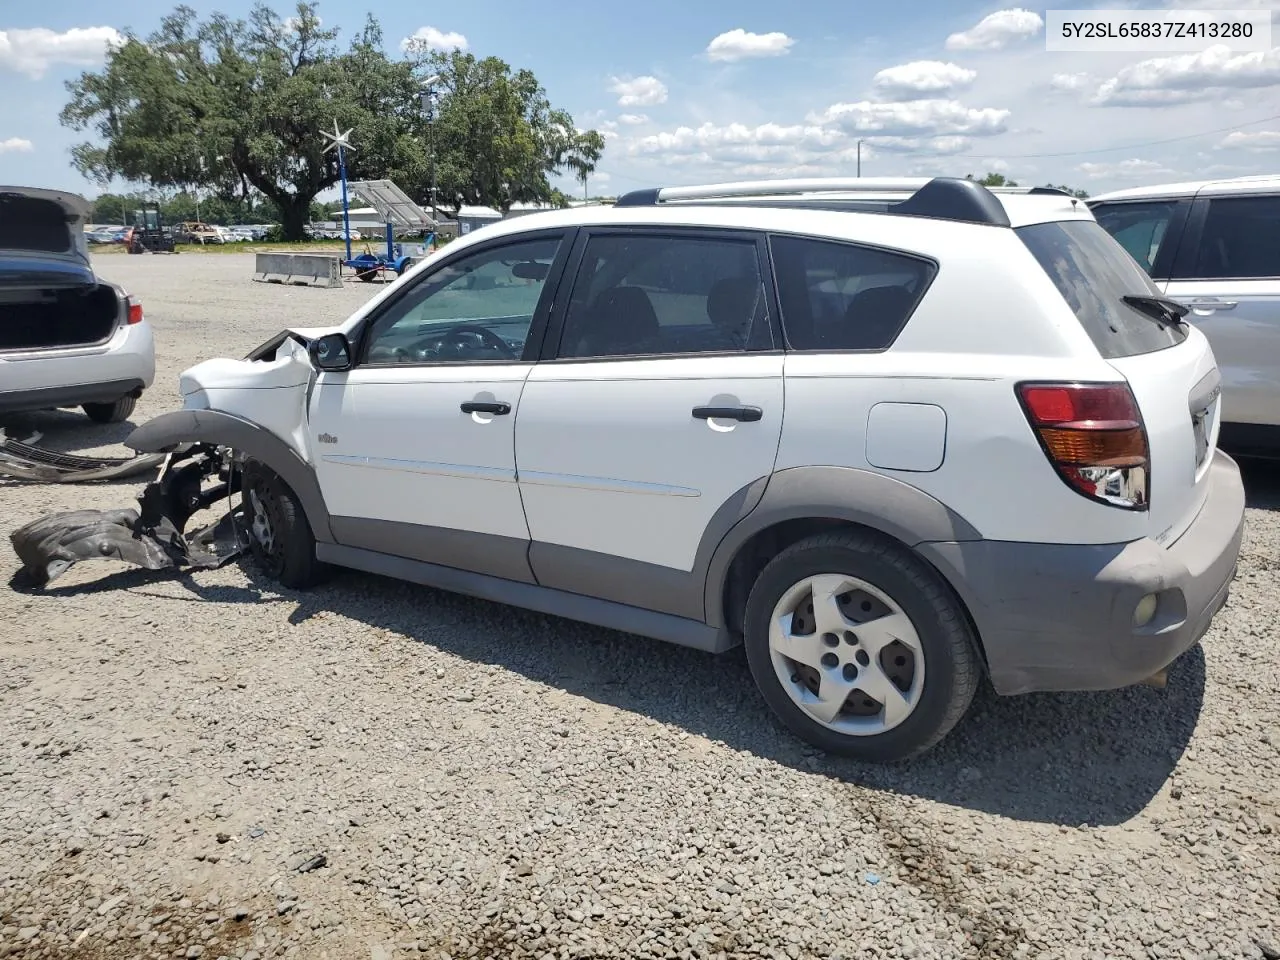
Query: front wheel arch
pixel 171 430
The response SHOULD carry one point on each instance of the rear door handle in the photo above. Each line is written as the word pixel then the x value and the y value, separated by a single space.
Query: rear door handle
pixel 741 414
pixel 497 408
pixel 1213 304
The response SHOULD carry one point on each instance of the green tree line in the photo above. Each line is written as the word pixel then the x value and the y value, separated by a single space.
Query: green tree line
pixel 119 208
pixel 236 106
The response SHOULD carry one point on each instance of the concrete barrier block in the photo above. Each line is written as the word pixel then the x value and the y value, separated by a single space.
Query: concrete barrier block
pixel 299 268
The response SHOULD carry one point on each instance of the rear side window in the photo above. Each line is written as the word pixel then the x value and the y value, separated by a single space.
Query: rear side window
pixel 32 223
pixel 1138 227
pixel 1093 274
pixel 841 296
pixel 1241 240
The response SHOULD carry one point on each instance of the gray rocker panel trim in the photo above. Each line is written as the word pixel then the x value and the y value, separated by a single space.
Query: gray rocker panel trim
pixel 832 493
pixel 636 583
pixel 601 613
pixel 504 557
pixel 168 430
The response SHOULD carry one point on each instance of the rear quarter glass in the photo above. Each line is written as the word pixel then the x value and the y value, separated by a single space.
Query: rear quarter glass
pixel 1094 273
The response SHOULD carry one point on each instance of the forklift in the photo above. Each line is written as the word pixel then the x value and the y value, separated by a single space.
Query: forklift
pixel 149 234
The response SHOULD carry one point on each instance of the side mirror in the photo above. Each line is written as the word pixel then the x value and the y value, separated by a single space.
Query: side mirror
pixel 331 352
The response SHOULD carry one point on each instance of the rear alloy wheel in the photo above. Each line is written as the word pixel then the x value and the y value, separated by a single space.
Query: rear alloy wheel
pixel 859 648
pixel 280 537
pixel 117 412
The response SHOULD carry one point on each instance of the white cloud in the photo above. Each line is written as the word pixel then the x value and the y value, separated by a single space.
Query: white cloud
pixel 1188 77
pixel 1070 82
pixel 639 91
pixel 739 44
pixel 434 39
pixel 292 23
pixel 16 145
pixel 922 78
pixel 736 140
pixel 1261 141
pixel 914 118
pixel 940 145
pixel 997 30
pixel 33 52
pixel 632 119
pixel 1124 170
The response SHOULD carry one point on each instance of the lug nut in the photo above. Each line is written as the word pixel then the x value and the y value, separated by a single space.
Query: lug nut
pixel 830 660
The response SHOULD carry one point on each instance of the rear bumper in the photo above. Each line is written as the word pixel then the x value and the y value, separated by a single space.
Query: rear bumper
pixel 49 398
pixel 72 376
pixel 1060 617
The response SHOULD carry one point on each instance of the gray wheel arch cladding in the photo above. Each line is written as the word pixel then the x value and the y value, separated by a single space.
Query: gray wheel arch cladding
pixel 169 430
pixel 873 500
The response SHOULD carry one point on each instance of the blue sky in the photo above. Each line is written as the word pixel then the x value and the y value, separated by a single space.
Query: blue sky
pixel 712 90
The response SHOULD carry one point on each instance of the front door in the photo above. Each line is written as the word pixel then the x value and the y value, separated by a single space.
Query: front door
pixel 415 445
pixel 661 405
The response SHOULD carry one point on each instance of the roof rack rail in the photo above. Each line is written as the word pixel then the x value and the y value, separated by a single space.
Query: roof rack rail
pixel 940 198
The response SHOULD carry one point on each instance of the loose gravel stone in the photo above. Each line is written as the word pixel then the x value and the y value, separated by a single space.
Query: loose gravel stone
pixel 486 782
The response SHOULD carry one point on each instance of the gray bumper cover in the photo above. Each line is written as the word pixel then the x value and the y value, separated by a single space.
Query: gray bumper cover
pixel 1060 617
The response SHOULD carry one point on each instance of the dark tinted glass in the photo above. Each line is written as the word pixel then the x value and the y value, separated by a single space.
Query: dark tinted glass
pixel 1241 239
pixel 1093 274
pixel 840 296
pixel 638 295
pixel 1138 227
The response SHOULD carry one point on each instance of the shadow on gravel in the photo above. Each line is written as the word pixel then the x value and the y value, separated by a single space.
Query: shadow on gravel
pixel 1261 483
pixel 1095 758
pixel 66 431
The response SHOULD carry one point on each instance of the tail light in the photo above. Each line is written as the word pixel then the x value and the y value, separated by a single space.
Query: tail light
pixel 135 311
pixel 1093 434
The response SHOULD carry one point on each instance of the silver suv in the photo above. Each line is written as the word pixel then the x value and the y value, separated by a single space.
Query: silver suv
pixel 1214 245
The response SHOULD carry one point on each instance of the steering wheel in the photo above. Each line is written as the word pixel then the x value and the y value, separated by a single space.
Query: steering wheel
pixel 488 336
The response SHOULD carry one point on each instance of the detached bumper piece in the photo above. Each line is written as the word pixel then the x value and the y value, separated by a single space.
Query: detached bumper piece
pixel 24 461
pixel 152 537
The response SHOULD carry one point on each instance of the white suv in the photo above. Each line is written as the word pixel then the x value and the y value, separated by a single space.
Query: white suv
pixel 891 435
pixel 1214 245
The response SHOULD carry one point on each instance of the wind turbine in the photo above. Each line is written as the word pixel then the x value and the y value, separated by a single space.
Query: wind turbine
pixel 341 141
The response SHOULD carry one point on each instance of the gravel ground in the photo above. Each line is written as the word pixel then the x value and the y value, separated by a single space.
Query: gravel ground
pixel 205 766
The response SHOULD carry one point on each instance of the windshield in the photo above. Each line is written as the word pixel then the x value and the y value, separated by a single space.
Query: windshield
pixel 1094 274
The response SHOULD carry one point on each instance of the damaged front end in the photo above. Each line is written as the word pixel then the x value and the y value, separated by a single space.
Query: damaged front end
pixel 193 478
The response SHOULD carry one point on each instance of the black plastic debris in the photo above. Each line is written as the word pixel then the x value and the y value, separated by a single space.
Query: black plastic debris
pixel 25 461
pixel 152 537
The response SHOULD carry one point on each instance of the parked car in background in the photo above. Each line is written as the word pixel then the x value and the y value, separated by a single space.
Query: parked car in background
pixel 193 231
pixel 893 437
pixel 67 338
pixel 1214 245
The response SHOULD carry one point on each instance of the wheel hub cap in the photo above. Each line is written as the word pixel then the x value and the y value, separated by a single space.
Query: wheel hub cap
pixel 847 654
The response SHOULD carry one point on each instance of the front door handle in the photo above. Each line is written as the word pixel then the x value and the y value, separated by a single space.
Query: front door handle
pixel 1213 304
pixel 498 408
pixel 741 414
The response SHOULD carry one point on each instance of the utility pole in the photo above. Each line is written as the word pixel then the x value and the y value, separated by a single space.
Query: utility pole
pixel 859 158
pixel 428 99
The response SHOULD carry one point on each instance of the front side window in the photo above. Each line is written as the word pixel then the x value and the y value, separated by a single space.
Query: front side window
pixel 1138 227
pixel 477 308
pixel 1240 241
pixel 841 296
pixel 638 295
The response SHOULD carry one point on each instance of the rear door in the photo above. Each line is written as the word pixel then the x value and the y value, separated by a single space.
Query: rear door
pixel 658 403
pixel 1228 272
pixel 1170 367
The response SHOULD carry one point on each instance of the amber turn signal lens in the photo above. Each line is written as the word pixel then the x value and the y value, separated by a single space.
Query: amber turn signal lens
pixel 1095 448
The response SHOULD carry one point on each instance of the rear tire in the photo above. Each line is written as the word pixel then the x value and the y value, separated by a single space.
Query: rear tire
pixel 859 647
pixel 280 538
pixel 117 412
